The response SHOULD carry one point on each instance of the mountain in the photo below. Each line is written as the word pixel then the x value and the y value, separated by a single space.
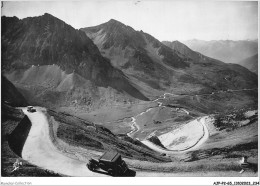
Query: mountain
pixel 250 63
pixel 225 50
pixel 140 56
pixel 156 67
pixel 43 55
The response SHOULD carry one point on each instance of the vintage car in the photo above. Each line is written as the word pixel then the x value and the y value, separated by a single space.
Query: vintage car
pixel 31 109
pixel 111 162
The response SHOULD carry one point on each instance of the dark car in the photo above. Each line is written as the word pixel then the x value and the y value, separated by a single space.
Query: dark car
pixel 111 162
pixel 31 109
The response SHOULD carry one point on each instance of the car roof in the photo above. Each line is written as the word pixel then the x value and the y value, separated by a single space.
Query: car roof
pixel 110 156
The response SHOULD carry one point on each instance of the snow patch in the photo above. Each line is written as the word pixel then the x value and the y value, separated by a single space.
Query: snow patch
pixel 189 133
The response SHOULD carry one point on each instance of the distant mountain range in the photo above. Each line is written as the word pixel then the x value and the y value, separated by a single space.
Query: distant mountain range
pixel 53 64
pixel 225 50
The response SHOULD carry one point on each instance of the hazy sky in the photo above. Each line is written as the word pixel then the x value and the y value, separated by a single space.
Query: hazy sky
pixel 165 20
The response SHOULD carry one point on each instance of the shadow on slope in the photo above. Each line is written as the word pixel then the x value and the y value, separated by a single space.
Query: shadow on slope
pixel 10 94
pixel 11 118
pixel 19 135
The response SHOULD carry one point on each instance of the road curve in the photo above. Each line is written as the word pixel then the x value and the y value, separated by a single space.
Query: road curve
pixel 134 126
pixel 40 150
pixel 194 146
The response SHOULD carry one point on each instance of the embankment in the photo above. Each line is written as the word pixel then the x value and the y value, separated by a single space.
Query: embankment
pixel 19 135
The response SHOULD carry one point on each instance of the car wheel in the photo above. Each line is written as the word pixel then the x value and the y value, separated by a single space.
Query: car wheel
pixel 90 167
pixel 111 172
pixel 102 165
pixel 120 170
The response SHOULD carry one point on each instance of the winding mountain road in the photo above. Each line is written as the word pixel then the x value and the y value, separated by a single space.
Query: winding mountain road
pixel 40 150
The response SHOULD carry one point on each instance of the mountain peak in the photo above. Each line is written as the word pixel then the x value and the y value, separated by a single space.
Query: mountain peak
pixel 115 22
pixel 177 42
pixel 50 16
pixel 47 14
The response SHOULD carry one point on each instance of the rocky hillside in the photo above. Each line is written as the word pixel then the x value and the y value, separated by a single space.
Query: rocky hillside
pixel 46 49
pixel 251 63
pixel 154 66
pixel 225 50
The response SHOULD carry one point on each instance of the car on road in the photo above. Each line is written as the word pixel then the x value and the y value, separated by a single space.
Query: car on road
pixel 111 162
pixel 31 109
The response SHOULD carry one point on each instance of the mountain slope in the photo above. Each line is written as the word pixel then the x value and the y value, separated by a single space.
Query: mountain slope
pixel 156 67
pixel 250 63
pixel 225 50
pixel 10 95
pixel 33 42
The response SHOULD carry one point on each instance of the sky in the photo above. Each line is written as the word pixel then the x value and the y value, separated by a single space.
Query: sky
pixel 165 20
